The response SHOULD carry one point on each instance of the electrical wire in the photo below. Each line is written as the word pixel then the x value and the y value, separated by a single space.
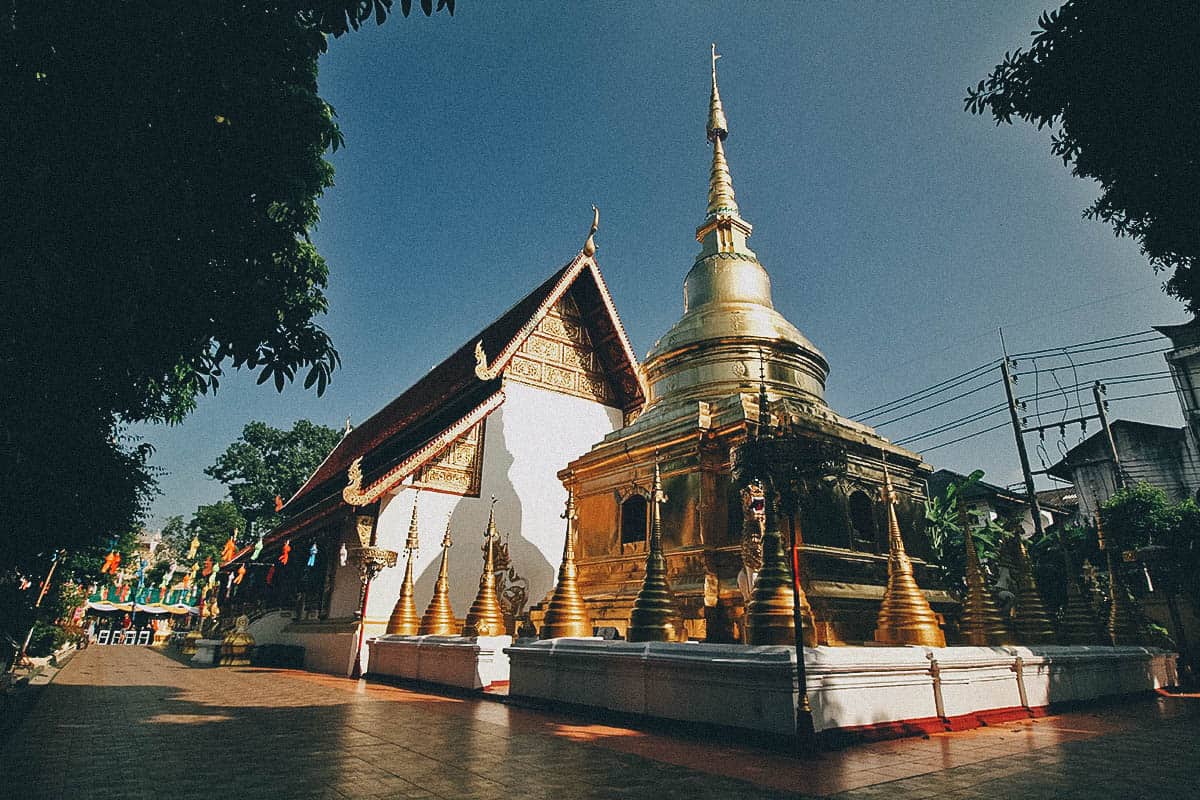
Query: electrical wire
pixel 875 411
pixel 1074 347
pixel 939 403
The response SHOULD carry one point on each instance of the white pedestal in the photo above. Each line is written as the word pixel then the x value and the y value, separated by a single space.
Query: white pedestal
pixel 874 692
pixel 468 662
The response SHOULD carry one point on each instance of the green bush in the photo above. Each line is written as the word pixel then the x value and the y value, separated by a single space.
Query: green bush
pixel 46 639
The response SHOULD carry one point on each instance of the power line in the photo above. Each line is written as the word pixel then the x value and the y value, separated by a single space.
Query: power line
pixel 1101 360
pixel 964 438
pixel 928 390
pixel 1073 347
pixel 937 404
pixel 984 413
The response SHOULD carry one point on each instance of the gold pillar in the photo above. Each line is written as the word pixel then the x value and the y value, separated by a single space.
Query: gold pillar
pixel 1031 621
pixel 404 620
pixel 567 614
pixel 654 615
pixel 980 623
pixel 439 617
pixel 486 618
pixel 1123 627
pixel 905 616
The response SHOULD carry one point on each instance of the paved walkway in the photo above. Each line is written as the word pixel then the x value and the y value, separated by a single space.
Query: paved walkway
pixel 130 722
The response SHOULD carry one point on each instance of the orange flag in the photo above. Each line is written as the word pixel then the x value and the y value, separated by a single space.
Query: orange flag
pixel 287 549
pixel 228 551
pixel 241 573
pixel 278 504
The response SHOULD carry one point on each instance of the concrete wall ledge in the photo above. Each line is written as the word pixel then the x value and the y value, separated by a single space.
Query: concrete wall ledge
pixel 888 690
pixel 468 662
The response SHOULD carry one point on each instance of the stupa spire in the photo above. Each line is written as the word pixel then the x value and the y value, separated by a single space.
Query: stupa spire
pixel 723 231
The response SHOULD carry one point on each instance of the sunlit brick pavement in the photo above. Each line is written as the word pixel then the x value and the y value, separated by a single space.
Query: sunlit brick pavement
pixel 131 722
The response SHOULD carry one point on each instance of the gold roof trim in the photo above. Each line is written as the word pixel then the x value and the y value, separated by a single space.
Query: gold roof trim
pixel 356 495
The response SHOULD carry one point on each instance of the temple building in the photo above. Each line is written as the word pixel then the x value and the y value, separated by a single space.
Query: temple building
pixel 482 433
pixel 703 378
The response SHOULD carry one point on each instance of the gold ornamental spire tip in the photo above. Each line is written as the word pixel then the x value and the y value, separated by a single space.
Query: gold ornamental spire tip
pixel 589 246
pixel 718 127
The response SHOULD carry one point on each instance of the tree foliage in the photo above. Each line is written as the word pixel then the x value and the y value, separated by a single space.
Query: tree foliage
pixel 1116 81
pixel 1142 518
pixel 944 528
pixel 163 163
pixel 265 463
pixel 213 524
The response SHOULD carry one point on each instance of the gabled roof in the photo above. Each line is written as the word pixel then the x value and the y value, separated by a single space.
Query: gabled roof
pixel 410 430
pixel 1095 447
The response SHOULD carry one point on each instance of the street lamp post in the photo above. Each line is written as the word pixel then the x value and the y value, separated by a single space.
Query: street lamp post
pixel 788 466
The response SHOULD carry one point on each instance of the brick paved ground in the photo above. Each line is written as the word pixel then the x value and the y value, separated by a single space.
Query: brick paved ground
pixel 133 723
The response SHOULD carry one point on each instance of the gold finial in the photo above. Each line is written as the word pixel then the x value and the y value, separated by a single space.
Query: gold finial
pixel 404 620
pixel 654 614
pixel 905 616
pixel 589 247
pixel 486 618
pixel 718 128
pixel 413 539
pixel 567 613
pixel 980 622
pixel 439 616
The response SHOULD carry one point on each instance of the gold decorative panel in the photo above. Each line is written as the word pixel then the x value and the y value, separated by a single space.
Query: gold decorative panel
pixel 458 468
pixel 559 355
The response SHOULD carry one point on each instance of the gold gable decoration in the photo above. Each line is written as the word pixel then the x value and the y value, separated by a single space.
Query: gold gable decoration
pixel 458 469
pixel 559 355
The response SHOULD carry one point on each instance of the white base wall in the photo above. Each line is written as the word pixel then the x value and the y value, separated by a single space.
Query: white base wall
pixel 466 662
pixel 328 644
pixel 893 690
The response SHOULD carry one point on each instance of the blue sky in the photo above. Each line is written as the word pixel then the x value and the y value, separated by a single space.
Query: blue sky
pixel 900 232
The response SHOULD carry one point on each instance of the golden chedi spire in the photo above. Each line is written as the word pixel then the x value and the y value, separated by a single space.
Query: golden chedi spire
pixel 1123 627
pixel 770 614
pixel 1031 622
pixel 1077 622
pixel 485 617
pixel 905 616
pixel 727 301
pixel 404 620
pixel 980 623
pixel 567 613
pixel 439 617
pixel 654 615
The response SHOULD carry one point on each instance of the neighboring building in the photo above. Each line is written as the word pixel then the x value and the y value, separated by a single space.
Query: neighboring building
pixel 1157 454
pixel 1162 455
pixel 1000 503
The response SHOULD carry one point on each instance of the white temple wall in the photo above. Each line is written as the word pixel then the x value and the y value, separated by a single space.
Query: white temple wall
pixel 533 435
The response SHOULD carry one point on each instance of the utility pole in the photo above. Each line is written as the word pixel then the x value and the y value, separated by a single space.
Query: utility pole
pixel 1102 412
pixel 1078 625
pixel 1034 508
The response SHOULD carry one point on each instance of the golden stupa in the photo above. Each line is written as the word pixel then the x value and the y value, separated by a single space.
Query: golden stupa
pixel 1123 627
pixel 439 617
pixel 485 617
pixel 702 378
pixel 905 616
pixel 654 615
pixel 404 620
pixel 980 623
pixel 1031 622
pixel 566 613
